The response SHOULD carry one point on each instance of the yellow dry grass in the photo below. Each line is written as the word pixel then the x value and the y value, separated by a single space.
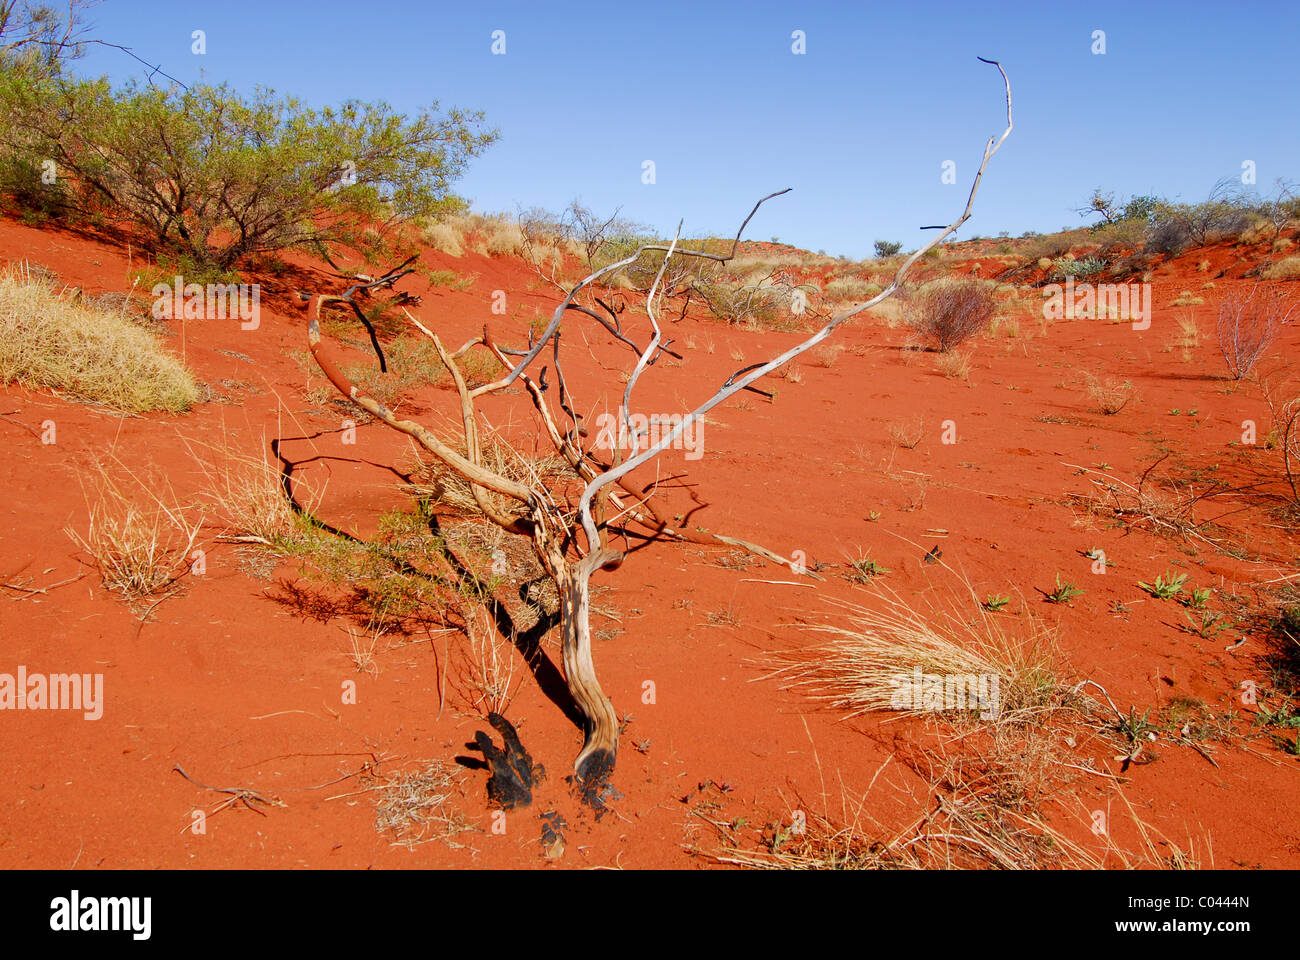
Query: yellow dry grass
pixel 51 339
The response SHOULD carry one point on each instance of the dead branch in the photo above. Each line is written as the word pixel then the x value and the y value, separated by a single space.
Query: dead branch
pixel 608 499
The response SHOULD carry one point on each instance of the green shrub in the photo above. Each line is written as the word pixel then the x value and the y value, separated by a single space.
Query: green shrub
pixel 1177 226
pixel 1069 267
pixel 211 175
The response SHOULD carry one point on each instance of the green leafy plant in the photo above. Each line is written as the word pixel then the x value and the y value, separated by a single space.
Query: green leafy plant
pixel 1069 267
pixel 996 602
pixel 864 568
pixel 1205 624
pixel 1166 587
pixel 1063 593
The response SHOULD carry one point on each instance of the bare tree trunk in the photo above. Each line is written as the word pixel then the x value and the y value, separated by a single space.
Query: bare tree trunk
pixel 600 744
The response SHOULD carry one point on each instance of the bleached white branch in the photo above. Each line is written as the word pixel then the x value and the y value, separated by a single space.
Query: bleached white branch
pixel 743 378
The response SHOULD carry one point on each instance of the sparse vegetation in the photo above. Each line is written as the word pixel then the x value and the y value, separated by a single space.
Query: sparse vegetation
pixel 1167 585
pixel 1111 395
pixel 139 536
pixel 1064 592
pixel 416 807
pixel 864 570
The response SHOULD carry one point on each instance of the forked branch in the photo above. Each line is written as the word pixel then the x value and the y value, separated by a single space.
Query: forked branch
pixel 608 498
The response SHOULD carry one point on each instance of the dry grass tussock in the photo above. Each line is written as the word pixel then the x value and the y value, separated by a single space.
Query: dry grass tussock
pixel 49 339
pixel 986 781
pixel 416 807
pixel 874 648
pixel 496 235
pixel 1110 394
pixel 246 492
pixel 976 810
pixel 139 536
pixel 1285 269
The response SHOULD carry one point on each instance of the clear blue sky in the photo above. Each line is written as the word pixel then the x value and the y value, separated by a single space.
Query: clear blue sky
pixel 859 125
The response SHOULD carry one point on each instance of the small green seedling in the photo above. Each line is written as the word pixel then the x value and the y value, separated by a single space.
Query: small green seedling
pixel 995 602
pixel 1198 598
pixel 1063 593
pixel 862 570
pixel 1166 586
pixel 1206 625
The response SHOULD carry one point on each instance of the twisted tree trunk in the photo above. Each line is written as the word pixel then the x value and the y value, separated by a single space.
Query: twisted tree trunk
pixel 600 743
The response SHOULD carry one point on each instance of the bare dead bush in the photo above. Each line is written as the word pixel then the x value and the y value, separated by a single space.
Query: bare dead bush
pixel 1247 326
pixel 579 523
pixel 1110 394
pixel 950 311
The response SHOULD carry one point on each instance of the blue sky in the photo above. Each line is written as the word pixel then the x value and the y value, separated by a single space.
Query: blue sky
pixel 859 125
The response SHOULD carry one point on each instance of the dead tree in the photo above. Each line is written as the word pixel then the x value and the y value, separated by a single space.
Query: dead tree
pixel 572 525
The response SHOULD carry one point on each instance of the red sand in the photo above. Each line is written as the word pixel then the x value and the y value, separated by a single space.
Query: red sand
pixel 240 687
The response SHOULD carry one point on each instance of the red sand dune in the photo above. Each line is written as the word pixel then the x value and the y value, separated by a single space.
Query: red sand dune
pixel 240 686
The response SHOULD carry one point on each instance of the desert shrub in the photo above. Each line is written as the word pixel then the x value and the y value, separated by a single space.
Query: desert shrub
pixel 94 355
pixel 1169 235
pixel 1053 245
pixel 1139 209
pixel 1069 267
pixel 209 174
pixel 768 305
pixel 1248 324
pixel 1177 226
pixel 40 37
pixel 1286 269
pixel 888 248
pixel 1122 235
pixel 949 311
pixel 1258 230
pixel 1136 263
pixel 851 288
pixel 1285 412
